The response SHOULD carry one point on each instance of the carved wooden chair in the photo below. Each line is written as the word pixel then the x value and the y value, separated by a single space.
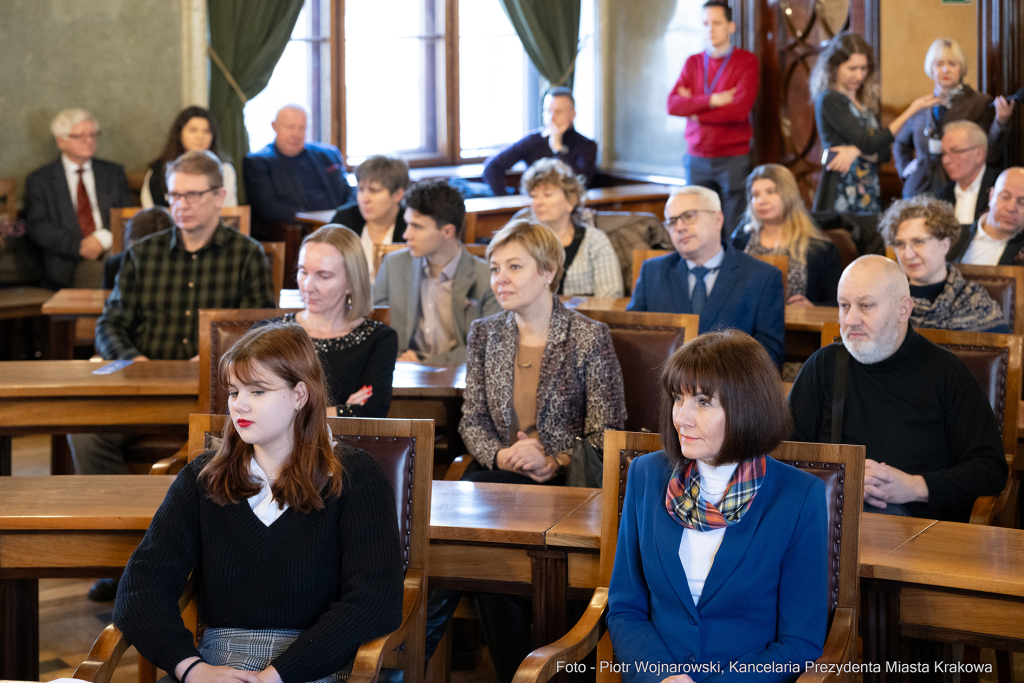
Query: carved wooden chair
pixel 995 361
pixel 237 217
pixel 641 255
pixel 275 257
pixel 842 470
pixel 405 451
pixel 782 263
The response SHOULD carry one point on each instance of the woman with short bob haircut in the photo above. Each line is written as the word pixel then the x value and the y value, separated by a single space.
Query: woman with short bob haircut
pixel 777 223
pixel 557 195
pixel 293 539
pixel 715 532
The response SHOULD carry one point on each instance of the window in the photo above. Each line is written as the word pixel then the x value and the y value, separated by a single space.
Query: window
pixel 302 76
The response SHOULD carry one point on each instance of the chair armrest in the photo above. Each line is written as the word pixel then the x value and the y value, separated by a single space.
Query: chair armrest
pixel 541 664
pixel 838 650
pixel 106 652
pixel 458 468
pixel 987 507
pixel 172 465
pixel 366 666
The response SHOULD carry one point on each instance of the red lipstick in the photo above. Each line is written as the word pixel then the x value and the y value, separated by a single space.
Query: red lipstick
pixel 244 423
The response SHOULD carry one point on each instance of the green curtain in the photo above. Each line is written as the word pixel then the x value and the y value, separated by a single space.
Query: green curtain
pixel 249 37
pixel 549 31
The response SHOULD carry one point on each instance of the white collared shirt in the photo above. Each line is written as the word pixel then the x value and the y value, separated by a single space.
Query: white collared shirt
pixel 263 504
pixel 368 246
pixel 967 200
pixel 712 264
pixel 984 250
pixel 71 173
pixel 697 549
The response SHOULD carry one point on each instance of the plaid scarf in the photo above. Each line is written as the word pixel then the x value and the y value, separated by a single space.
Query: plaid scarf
pixel 686 506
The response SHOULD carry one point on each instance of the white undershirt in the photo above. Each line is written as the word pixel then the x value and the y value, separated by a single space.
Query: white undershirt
pixel 697 548
pixel 967 200
pixel 368 246
pixel 263 504
pixel 983 249
pixel 71 173
pixel 712 264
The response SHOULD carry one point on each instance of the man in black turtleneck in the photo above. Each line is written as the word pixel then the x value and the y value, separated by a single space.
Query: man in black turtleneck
pixel 933 444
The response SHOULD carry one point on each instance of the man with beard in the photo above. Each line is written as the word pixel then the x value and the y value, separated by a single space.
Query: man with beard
pixel 933 443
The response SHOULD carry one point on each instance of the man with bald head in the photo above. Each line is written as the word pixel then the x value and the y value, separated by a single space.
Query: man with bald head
pixel 997 238
pixel 933 443
pixel 293 174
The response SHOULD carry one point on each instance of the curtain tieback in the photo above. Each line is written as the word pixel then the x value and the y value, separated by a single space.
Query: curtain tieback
pixel 227 75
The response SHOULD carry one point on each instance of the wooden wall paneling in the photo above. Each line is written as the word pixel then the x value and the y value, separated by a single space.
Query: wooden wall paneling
pixel 1000 60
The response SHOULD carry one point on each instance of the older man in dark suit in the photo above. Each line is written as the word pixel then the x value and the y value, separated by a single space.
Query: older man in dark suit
pixel 292 174
pixel 964 151
pixel 68 202
pixel 707 276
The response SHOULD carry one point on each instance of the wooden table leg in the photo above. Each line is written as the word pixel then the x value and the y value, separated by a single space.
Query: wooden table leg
pixel 62 338
pixel 880 614
pixel 5 455
pixel 550 578
pixel 19 629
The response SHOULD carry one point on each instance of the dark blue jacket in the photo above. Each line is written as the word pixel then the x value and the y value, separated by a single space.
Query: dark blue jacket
pixel 764 600
pixel 274 192
pixel 581 157
pixel 747 296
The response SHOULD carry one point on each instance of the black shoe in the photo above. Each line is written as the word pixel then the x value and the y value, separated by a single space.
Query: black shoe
pixel 104 590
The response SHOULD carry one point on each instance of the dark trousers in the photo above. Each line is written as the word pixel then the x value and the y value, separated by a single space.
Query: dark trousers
pixel 728 177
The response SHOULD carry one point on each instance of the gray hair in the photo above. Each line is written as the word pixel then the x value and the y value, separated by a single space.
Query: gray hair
pixel 975 135
pixel 941 47
pixel 69 118
pixel 709 197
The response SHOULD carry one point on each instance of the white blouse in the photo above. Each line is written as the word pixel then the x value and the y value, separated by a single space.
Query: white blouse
pixel 697 548
pixel 263 504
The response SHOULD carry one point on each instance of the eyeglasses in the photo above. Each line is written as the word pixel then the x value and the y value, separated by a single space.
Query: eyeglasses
pixel 188 197
pixel 915 243
pixel 687 217
pixel 85 136
pixel 958 152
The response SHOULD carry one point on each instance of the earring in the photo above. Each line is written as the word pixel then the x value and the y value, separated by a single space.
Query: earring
pixel 348 302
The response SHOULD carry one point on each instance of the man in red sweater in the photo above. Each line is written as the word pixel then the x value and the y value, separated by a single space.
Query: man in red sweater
pixel 716 92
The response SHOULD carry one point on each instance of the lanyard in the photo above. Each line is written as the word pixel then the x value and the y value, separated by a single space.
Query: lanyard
pixel 708 89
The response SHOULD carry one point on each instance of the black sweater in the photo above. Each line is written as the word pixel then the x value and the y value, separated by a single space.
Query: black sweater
pixel 336 573
pixel 920 411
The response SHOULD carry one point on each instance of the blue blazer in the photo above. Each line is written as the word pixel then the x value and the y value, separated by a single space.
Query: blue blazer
pixel 765 599
pixel 747 296
pixel 273 191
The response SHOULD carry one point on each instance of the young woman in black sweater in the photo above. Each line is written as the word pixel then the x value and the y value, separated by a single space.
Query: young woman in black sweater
pixel 293 539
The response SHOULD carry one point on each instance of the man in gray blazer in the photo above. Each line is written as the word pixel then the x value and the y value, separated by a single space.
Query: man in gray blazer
pixel 435 288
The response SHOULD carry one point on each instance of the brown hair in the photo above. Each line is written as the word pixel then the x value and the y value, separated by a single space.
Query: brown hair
pixel 556 173
pixel 938 217
pixel 798 229
pixel 734 368
pixel 539 242
pixel 357 272
pixel 147 222
pixel 197 162
pixel 843 46
pixel 287 352
pixel 391 172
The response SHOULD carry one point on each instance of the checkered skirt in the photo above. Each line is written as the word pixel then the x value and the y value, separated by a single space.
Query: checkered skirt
pixel 253 650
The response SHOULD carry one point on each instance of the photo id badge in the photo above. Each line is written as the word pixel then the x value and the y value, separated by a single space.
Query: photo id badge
pixel 935 146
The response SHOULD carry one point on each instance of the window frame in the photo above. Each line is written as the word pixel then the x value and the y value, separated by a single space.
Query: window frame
pixel 449 138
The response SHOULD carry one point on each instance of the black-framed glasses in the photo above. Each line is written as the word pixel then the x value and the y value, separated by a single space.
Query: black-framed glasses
pixel 188 197
pixel 915 243
pixel 687 217
pixel 85 136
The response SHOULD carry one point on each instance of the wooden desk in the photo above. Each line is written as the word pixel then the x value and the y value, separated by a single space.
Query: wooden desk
pixel 483 536
pixel 22 302
pixel 315 219
pixel 60 397
pixel 594 303
pixel 73 314
pixel 803 329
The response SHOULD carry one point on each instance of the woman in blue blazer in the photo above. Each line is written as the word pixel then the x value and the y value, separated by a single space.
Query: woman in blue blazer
pixel 721 568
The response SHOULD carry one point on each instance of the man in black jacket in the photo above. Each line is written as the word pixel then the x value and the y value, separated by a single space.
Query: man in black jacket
pixel 68 202
pixel 933 443
pixel 997 238
pixel 964 150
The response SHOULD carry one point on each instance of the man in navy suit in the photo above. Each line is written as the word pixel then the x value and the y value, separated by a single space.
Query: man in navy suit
pixel 707 276
pixel 68 202
pixel 292 174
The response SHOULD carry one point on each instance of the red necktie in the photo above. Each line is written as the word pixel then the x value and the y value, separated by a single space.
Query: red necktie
pixel 85 219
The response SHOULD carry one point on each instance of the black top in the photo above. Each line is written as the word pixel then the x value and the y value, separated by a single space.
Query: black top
pixel 350 216
pixel 947 192
pixel 929 292
pixel 366 355
pixel 920 411
pixel 335 573
pixel 110 268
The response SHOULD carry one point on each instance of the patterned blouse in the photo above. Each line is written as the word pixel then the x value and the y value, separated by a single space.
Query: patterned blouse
pixel 858 190
pixel 595 271
pixel 796 281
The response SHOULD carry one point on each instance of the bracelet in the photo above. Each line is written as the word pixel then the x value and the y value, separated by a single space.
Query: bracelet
pixel 190 667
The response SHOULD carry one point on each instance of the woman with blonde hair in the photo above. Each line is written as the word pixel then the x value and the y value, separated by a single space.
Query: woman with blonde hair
pixel 357 352
pixel 777 223
pixel 844 86
pixel 918 147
